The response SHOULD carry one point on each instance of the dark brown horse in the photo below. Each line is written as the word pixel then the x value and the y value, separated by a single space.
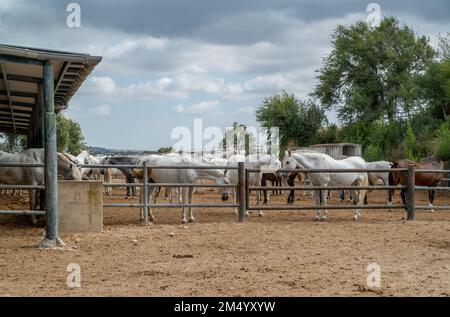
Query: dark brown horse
pixel 275 179
pixel 421 179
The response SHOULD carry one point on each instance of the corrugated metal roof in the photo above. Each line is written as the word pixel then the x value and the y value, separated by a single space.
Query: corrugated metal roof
pixel 21 75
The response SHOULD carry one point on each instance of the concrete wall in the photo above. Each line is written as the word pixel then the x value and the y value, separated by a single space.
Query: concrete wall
pixel 80 206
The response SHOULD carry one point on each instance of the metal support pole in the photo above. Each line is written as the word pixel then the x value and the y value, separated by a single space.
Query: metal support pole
pixel 247 191
pixel 410 192
pixel 145 194
pixel 241 191
pixel 51 178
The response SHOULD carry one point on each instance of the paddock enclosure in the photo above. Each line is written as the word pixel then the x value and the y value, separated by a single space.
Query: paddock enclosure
pixel 282 253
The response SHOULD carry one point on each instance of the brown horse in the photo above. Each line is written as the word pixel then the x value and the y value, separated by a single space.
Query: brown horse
pixel 421 179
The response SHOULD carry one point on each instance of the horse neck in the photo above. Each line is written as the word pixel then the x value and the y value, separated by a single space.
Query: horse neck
pixel 213 174
pixel 305 161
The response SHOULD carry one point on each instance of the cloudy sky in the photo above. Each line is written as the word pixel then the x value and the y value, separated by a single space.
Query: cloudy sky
pixel 167 62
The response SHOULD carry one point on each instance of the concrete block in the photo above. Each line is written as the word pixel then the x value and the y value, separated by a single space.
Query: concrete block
pixel 80 206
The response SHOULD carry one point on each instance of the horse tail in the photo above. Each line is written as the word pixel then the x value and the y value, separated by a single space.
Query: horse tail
pixel 391 174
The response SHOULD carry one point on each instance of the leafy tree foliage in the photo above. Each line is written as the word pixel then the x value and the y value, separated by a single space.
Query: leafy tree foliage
pixel 370 73
pixel 69 136
pixel 297 121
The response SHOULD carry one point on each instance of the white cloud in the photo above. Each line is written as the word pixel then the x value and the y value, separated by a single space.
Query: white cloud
pixel 199 108
pixel 103 110
pixel 250 110
pixel 179 108
pixel 102 85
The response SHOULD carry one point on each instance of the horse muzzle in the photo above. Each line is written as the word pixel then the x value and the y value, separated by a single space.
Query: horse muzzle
pixel 225 197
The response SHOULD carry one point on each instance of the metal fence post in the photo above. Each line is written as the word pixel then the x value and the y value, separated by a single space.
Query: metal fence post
pixel 241 190
pixel 51 180
pixel 410 192
pixel 145 194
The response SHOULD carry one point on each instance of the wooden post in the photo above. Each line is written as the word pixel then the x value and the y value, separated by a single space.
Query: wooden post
pixel 410 192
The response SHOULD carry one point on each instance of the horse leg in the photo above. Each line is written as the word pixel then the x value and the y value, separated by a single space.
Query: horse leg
pixel 403 195
pixel 32 198
pixel 190 194
pixel 258 198
pixel 318 203
pixel 149 198
pixel 431 195
pixel 264 183
pixel 324 203
pixel 184 198
pixel 290 199
pixel 360 195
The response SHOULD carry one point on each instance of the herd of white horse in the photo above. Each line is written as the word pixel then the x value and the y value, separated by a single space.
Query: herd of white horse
pixel 68 168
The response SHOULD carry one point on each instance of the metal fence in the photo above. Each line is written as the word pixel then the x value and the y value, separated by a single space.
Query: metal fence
pixel 243 189
pixel 410 188
pixel 145 204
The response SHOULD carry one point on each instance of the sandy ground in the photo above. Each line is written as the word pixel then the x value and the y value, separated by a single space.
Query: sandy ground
pixel 283 253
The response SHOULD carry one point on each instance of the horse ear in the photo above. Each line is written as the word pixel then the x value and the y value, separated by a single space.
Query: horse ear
pixel 287 153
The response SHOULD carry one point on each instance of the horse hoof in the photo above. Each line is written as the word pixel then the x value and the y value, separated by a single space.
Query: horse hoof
pixel 316 218
pixel 191 220
pixel 260 214
pixel 356 217
pixel 184 221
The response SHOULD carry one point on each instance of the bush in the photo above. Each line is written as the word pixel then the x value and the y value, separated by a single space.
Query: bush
pixel 373 153
pixel 443 142
pixel 411 144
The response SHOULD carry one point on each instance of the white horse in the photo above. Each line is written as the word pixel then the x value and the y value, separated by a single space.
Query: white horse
pixel 182 176
pixel 34 175
pixel 323 161
pixel 85 158
pixel 265 162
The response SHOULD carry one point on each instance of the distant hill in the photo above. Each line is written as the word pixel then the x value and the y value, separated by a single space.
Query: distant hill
pixel 94 150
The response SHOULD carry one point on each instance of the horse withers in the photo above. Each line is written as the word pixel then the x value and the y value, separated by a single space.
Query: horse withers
pixel 421 178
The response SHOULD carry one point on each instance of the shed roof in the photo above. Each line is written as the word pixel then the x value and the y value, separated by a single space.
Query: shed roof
pixel 335 144
pixel 21 75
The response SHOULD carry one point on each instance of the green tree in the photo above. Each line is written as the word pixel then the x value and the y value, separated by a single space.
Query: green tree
pixel 297 121
pixel 12 142
pixel 443 142
pixel 164 150
pixel 69 136
pixel 435 89
pixel 410 144
pixel 62 133
pixel 370 72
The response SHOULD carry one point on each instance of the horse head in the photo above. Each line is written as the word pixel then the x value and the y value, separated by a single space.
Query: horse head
pixel 67 169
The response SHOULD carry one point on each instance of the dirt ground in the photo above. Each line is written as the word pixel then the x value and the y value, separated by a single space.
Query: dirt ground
pixel 283 253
